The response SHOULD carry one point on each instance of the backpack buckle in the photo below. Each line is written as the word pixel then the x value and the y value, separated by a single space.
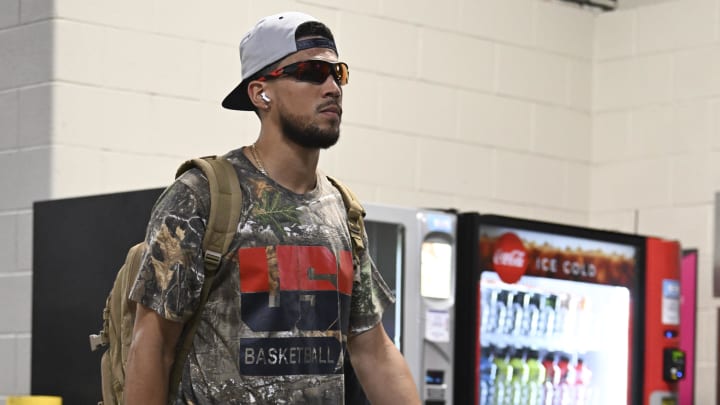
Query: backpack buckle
pixel 97 341
pixel 212 259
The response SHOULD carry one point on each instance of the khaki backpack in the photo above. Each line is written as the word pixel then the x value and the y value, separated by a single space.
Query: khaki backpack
pixel 225 206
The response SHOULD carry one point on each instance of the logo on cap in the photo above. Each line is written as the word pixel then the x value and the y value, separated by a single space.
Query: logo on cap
pixel 510 259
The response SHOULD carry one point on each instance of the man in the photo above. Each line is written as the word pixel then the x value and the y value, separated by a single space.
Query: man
pixel 288 300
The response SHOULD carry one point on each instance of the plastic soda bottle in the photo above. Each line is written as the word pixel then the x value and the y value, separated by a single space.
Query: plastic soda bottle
pixel 561 312
pixel 502 308
pixel 488 374
pixel 536 378
pixel 509 321
pixel 503 377
pixel 520 303
pixel 521 374
pixel 567 382
pixel 583 375
pixel 531 315
pixel 552 378
pixel 546 323
pixel 488 309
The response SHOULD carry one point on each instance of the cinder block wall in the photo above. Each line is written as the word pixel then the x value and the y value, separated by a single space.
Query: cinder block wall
pixel 487 106
pixel 656 139
pixel 25 72
pixel 473 105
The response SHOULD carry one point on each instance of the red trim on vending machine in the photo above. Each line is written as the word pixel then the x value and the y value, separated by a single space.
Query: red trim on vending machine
pixel 662 313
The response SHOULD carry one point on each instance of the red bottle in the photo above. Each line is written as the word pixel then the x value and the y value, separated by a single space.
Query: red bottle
pixel 552 378
pixel 565 392
pixel 583 375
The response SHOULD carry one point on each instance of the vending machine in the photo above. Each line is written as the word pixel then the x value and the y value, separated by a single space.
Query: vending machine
pixel 415 251
pixel 555 314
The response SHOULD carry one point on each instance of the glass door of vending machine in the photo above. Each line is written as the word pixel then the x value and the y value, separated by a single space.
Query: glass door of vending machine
pixel 414 250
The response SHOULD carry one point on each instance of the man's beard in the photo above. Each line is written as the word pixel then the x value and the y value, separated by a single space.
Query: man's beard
pixel 309 135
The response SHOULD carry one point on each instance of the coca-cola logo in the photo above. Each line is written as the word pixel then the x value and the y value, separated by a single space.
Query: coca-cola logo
pixel 510 259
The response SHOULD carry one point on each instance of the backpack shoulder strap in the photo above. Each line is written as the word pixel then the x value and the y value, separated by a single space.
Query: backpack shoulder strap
pixel 225 209
pixel 225 206
pixel 355 215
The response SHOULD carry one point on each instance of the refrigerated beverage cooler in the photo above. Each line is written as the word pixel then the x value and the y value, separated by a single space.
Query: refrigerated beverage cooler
pixel 415 251
pixel 558 315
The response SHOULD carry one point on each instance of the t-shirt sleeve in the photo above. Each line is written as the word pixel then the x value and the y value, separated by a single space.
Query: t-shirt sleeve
pixel 171 274
pixel 370 295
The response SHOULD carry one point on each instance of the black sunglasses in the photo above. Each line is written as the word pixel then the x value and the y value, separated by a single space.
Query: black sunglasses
pixel 313 71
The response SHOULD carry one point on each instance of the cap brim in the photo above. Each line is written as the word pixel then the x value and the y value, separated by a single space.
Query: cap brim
pixel 238 98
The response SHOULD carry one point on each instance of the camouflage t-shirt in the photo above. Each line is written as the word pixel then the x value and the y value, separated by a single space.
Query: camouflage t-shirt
pixel 288 294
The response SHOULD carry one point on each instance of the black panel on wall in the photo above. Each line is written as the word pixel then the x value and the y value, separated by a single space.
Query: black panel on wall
pixel 79 244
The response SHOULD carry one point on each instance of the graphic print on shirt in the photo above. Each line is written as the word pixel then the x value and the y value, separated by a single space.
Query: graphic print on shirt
pixel 292 289
pixel 288 288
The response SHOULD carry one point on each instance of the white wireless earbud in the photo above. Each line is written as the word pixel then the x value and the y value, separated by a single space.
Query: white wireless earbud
pixel 264 97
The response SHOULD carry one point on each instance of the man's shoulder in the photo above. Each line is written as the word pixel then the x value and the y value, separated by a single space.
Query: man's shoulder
pixel 189 192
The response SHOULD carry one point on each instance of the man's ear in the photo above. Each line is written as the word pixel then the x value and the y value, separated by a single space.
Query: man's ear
pixel 256 90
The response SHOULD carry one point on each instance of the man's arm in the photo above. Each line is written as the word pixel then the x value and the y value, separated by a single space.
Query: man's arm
pixel 150 358
pixel 379 365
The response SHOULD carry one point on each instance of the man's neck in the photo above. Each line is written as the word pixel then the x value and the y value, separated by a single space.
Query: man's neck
pixel 288 164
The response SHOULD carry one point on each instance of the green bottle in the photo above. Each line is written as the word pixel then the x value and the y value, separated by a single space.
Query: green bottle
pixel 503 377
pixel 536 378
pixel 520 377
